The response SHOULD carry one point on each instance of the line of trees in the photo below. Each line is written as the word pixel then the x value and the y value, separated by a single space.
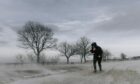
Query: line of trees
pixel 81 47
pixel 38 38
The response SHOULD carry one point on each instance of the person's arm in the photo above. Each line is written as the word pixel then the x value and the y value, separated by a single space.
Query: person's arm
pixel 93 50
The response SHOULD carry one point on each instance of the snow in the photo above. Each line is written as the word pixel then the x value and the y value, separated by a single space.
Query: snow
pixel 121 72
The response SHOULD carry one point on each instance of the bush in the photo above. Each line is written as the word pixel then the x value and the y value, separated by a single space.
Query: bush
pixel 52 60
pixel 20 58
pixel 31 57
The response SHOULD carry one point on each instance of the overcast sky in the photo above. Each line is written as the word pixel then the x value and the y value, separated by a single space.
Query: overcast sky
pixel 113 24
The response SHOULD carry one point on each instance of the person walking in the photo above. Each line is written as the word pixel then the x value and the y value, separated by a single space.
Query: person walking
pixel 97 55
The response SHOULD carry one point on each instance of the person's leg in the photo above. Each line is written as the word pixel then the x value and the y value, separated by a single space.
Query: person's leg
pixel 94 63
pixel 99 63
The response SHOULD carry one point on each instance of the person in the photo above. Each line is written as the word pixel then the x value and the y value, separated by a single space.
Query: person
pixel 97 52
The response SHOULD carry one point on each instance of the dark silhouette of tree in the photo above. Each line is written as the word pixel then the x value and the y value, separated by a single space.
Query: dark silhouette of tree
pixel 83 48
pixel 106 54
pixel 123 56
pixel 37 37
pixel 67 50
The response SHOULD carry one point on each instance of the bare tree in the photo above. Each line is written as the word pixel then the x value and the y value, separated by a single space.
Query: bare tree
pixel 83 48
pixel 37 37
pixel 106 55
pixel 67 50
pixel 123 56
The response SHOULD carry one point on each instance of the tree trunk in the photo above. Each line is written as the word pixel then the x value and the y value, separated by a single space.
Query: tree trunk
pixel 67 60
pixel 81 59
pixel 38 58
pixel 85 59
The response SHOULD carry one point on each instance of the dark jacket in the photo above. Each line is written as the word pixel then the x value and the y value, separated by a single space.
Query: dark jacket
pixel 96 50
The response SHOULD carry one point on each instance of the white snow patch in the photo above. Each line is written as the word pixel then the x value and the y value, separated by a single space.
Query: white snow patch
pixel 123 72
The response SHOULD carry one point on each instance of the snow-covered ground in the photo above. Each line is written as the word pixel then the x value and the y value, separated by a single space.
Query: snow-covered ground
pixel 123 72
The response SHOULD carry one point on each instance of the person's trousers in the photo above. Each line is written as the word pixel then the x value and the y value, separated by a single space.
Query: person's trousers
pixel 98 59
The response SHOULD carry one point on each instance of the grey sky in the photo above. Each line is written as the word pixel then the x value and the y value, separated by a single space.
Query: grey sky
pixel 114 24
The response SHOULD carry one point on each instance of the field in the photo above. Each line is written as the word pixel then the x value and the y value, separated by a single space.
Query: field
pixel 123 72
